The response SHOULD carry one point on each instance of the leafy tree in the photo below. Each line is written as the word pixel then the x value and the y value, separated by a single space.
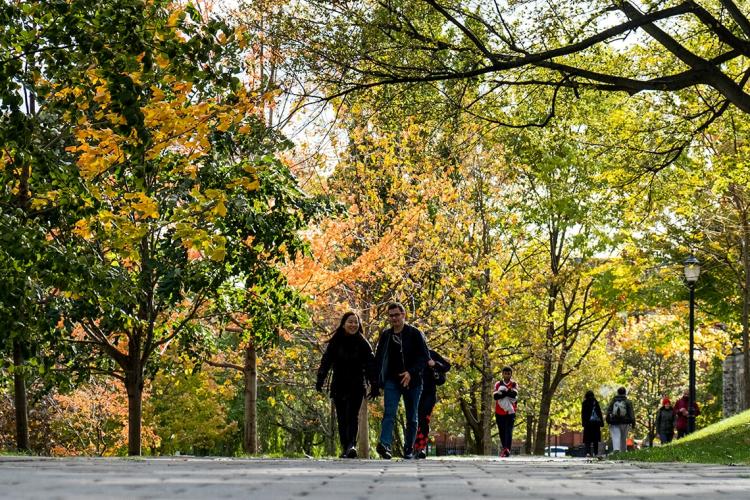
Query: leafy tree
pixel 152 117
pixel 547 46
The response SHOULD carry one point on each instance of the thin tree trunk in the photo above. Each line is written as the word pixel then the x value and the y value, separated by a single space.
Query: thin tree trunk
pixel 529 434
pixel 363 431
pixel 544 406
pixel 250 442
pixel 134 386
pixel 746 308
pixel 21 402
pixel 487 403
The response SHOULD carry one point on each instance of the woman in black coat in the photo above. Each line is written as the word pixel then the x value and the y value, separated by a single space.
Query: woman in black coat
pixel 353 363
pixel 592 421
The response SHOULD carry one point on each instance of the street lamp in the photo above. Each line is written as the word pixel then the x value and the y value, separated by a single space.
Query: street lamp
pixel 692 272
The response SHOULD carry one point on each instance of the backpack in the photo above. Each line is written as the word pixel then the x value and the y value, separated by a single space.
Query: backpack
pixel 594 416
pixel 439 377
pixel 620 409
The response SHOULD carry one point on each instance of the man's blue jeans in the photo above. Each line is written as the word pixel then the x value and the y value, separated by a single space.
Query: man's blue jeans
pixel 392 392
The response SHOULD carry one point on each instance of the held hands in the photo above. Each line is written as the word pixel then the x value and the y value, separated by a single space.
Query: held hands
pixel 405 378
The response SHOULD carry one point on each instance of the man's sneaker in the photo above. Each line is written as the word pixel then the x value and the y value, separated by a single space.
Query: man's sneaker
pixel 383 451
pixel 351 453
pixel 408 454
pixel 421 454
pixel 505 452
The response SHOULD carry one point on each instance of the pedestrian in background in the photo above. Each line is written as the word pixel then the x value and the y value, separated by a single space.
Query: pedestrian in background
pixel 592 421
pixel 621 419
pixel 506 402
pixel 681 413
pixel 665 421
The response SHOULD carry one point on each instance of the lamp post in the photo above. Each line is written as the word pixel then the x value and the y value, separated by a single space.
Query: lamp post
pixel 692 272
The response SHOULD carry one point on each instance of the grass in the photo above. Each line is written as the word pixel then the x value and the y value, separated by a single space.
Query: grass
pixel 725 442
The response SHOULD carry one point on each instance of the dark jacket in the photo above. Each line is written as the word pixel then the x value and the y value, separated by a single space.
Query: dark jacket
pixel 665 421
pixel 414 348
pixel 629 418
pixel 591 428
pixel 353 364
pixel 589 407
pixel 431 374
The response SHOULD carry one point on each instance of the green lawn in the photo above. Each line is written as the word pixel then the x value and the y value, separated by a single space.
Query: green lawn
pixel 725 442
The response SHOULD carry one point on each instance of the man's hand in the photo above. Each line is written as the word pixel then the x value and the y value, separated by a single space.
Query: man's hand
pixel 431 363
pixel 405 378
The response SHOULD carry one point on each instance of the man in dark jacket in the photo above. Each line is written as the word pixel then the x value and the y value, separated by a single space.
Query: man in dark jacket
pixel 400 359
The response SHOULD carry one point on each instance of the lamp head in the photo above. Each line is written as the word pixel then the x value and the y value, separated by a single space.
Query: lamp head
pixel 692 269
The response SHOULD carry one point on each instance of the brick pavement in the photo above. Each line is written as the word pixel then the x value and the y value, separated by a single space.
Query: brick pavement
pixel 516 478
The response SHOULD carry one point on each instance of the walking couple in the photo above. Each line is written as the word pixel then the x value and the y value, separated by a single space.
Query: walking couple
pixel 402 367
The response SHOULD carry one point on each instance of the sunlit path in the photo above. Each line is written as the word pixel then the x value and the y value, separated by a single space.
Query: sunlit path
pixel 517 477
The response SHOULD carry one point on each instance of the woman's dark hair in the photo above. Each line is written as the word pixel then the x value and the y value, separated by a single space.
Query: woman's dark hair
pixel 340 329
pixel 589 395
pixel 621 391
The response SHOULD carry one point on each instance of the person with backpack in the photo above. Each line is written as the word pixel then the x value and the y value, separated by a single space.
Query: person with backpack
pixel 353 363
pixel 665 421
pixel 592 421
pixel 434 375
pixel 621 418
pixel 506 403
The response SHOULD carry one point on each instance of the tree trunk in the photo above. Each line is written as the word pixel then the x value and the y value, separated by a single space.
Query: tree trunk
pixel 250 441
pixel 21 402
pixel 544 406
pixel 746 308
pixel 487 403
pixel 134 385
pixel 363 431
pixel 528 446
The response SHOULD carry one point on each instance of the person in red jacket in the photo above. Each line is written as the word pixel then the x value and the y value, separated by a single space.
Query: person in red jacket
pixel 506 392
pixel 681 413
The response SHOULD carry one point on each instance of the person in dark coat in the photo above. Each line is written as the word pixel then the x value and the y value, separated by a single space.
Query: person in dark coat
pixel 592 421
pixel 665 421
pixel 400 359
pixel 434 375
pixel 353 363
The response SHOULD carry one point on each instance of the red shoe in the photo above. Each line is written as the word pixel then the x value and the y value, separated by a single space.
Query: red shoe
pixel 505 453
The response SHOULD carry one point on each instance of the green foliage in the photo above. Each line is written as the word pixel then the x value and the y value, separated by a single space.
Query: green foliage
pixel 189 412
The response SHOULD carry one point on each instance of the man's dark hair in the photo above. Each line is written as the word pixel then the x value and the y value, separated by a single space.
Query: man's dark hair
pixel 507 369
pixel 621 391
pixel 396 305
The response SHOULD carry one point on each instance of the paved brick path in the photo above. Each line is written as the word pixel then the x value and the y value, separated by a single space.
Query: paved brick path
pixel 461 479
